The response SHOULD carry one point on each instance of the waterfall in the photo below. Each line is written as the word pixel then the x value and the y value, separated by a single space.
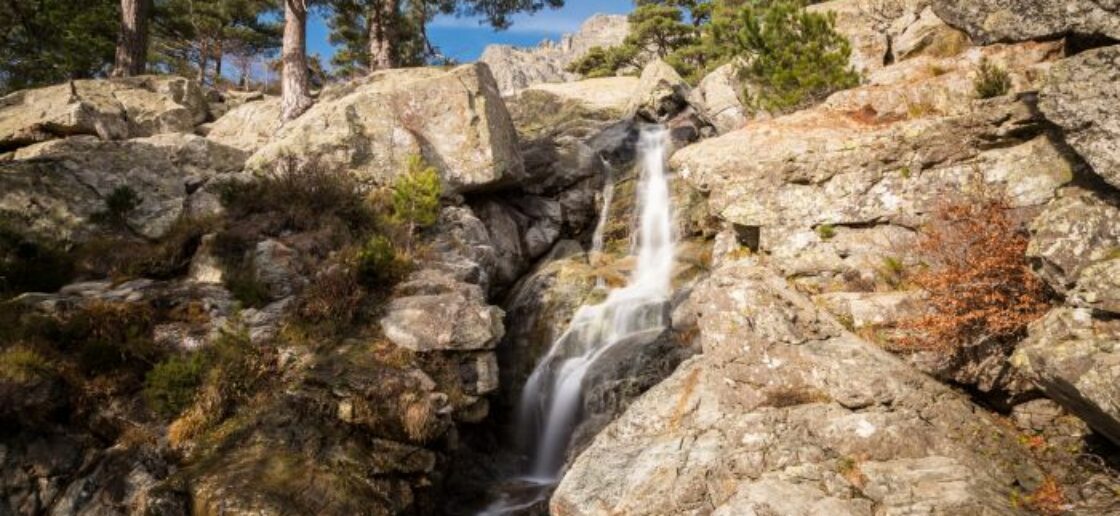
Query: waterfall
pixel 550 401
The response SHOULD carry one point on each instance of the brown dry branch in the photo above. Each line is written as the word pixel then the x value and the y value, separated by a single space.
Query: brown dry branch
pixel 980 285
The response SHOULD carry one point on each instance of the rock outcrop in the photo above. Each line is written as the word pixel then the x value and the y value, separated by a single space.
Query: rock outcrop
pixel 717 97
pixel 116 109
pixel 1080 95
pixel 786 412
pixel 518 68
pixel 370 128
pixel 997 21
pixel 59 189
pixel 249 126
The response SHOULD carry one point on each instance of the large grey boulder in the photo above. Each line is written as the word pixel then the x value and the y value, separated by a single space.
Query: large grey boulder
pixel 518 68
pixel 110 109
pixel 1073 357
pixel 455 119
pixel 56 188
pixel 995 21
pixel 1081 95
pixel 432 312
pixel 660 93
pixel 717 98
pixel 786 413
pixel 1075 231
pixel 249 126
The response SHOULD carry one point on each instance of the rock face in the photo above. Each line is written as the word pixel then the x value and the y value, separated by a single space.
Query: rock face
pixel 249 126
pixel 1074 232
pixel 465 321
pixel 1080 96
pixel 58 188
pixel 994 21
pixel 660 93
pixel 112 110
pixel 1072 356
pixel 517 68
pixel 371 128
pixel 717 98
pixel 786 413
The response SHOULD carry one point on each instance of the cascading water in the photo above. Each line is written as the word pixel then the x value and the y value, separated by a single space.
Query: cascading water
pixel 551 398
pixel 550 402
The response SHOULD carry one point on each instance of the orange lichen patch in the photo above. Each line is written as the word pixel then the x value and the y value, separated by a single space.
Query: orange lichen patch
pixel 682 401
pixel 1048 498
pixel 868 116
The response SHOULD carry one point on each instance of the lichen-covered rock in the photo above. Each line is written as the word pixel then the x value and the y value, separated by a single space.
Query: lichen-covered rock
pixel 112 109
pixel 822 167
pixel 434 312
pixel 55 188
pixel 1098 286
pixel 249 126
pixel 455 119
pixel 1073 357
pixel 717 98
pixel 1076 230
pixel 609 95
pixel 518 68
pixel 864 309
pixel 660 93
pixel 1081 95
pixel 995 21
pixel 784 412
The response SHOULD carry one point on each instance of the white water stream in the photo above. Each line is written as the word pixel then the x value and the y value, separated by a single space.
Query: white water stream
pixel 551 399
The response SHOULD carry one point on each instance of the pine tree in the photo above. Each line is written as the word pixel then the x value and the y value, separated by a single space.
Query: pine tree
pixel 295 97
pixel 795 58
pixel 49 41
pixel 132 41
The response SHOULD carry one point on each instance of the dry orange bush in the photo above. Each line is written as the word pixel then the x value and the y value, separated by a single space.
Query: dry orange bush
pixel 980 285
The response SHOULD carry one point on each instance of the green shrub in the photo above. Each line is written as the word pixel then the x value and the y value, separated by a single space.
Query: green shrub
pixel 109 335
pixel 379 264
pixel 416 195
pixel 170 386
pixel 243 284
pixel 118 205
pixel 29 264
pixel 991 81
pixel 826 231
pixel 22 365
pixel 795 58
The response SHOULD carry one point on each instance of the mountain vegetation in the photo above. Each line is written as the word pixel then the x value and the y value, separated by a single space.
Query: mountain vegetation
pixel 789 57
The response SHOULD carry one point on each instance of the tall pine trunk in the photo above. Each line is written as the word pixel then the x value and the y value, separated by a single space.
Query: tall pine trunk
pixel 382 37
pixel 132 42
pixel 296 94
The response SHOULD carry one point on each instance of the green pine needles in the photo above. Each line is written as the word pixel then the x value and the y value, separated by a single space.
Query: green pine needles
pixel 416 195
pixel 794 58
pixel 790 58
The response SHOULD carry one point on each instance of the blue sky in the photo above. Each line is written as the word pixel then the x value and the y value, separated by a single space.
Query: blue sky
pixel 463 38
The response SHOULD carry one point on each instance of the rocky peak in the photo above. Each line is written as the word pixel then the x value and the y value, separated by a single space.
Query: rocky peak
pixel 517 68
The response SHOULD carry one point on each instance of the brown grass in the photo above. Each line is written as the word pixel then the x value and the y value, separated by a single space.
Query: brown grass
pixel 979 281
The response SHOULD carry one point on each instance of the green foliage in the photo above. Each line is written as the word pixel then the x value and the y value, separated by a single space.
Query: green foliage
pixel 118 205
pixel 22 365
pixel 229 363
pixel 826 231
pixel 29 264
pixel 170 386
pixel 49 41
pixel 416 195
pixel 191 37
pixel 109 335
pixel 794 58
pixel 991 81
pixel 379 263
